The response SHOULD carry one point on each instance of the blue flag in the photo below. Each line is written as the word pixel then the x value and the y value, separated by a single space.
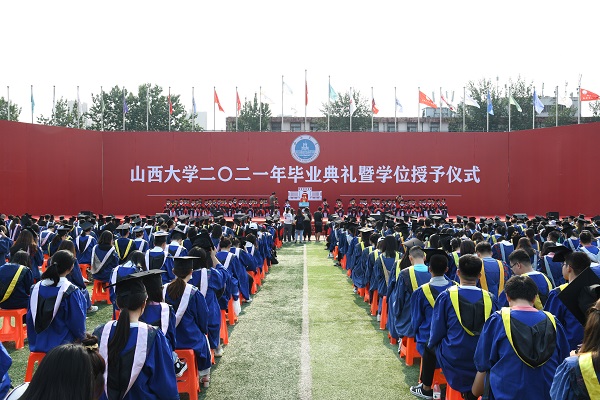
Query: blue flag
pixel 125 108
pixel 537 103
pixel 490 107
pixel 332 94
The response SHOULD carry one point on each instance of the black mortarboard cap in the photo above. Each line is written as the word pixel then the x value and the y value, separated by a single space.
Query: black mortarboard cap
pixel 431 252
pixel 203 240
pixel 520 216
pixel 183 217
pixel 136 220
pixel 124 227
pixel 32 230
pixel 413 242
pixel 86 225
pixel 186 262
pixel 138 229
pixel 64 229
pixel 130 285
pixel 560 252
pixel 581 294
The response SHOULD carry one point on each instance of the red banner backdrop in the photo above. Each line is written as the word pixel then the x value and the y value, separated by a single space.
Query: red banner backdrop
pixel 62 171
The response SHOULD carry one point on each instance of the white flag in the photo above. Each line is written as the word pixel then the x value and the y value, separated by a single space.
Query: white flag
pixel 469 101
pixel 287 88
pixel 352 104
pixel 399 106
pixel 566 101
pixel 267 99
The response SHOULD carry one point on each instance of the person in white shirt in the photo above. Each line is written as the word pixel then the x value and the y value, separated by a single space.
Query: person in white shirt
pixel 288 220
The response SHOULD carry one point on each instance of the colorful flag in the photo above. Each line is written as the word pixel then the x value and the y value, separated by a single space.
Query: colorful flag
pixel 399 106
pixel 374 107
pixel 424 99
pixel 537 103
pixel 305 93
pixel 512 101
pixel 217 102
pixel 332 94
pixel 170 105
pixel 586 95
pixel 450 106
pixel 490 106
pixel 238 103
pixel 469 101
pixel 125 108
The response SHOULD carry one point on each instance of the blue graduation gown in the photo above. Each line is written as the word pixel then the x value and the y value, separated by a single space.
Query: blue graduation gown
pixel 492 274
pixel 509 377
pixel 370 275
pixel 5 245
pixel 246 259
pixel 568 382
pixel 455 347
pixel 84 246
pixel 501 250
pixel 5 363
pixel 176 250
pixel 238 271
pixel 103 275
pixel 360 265
pixel 553 270
pixel 20 295
pixel 76 278
pixel 68 324
pixel 400 290
pixel 380 283
pixel 555 306
pixel 193 327
pixel 216 283
pixel 118 273
pixel 167 263
pixel 156 380
pixel 153 316
pixel 141 245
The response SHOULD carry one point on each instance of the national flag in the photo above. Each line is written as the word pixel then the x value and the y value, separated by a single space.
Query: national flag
pixel 450 106
pixel 424 99
pixel 305 93
pixel 469 101
pixel 566 100
pixel 352 104
pixel 512 101
pixel 170 105
pixel 287 88
pixel 32 101
pixel 537 103
pixel 238 103
pixel 374 107
pixel 490 106
pixel 586 95
pixel 399 107
pixel 332 94
pixel 125 108
pixel 217 102
pixel 193 105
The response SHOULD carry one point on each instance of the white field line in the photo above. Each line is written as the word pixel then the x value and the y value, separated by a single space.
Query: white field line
pixel 305 371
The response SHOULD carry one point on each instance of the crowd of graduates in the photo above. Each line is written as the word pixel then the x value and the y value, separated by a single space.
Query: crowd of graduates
pixel 172 283
pixel 504 309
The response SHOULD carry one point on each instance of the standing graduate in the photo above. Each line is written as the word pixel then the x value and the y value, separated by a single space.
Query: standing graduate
pixel 138 357
pixel 104 257
pixel 191 314
pixel 57 308
pixel 520 347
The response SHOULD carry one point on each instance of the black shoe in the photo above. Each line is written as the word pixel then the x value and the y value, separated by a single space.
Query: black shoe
pixel 421 393
pixel 180 367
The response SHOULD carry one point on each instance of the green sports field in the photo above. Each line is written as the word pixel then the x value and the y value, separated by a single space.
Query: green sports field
pixel 339 354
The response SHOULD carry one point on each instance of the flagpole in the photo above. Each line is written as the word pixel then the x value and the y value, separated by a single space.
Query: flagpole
pixel 214 112
pixel 8 103
pixel 237 111
pixel 282 83
pixel 419 109
pixel 440 109
pixel 328 101
pixel 193 111
pixel 509 107
pixel 53 102
pixel 371 108
pixel 32 102
pixel 350 108
pixel 533 118
pixel 102 109
pixel 305 99
pixel 124 101
pixel 78 108
pixel 148 108
pixel 464 107
pixel 579 103
pixel 556 106
pixel 260 109
pixel 169 108
pixel 395 111
pixel 487 111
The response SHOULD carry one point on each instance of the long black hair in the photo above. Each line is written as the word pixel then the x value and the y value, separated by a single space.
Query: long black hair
pixel 60 262
pixel 126 302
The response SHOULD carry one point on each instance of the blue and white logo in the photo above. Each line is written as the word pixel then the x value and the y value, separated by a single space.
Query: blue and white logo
pixel 305 149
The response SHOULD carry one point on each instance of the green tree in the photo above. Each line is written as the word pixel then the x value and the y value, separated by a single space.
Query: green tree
pixel 135 119
pixel 250 119
pixel 15 110
pixel 339 113
pixel 63 115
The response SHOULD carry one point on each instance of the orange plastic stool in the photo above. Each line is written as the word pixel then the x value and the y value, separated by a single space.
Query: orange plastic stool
pixel 253 288
pixel 258 277
pixel 343 262
pixel 361 291
pixel 265 268
pixel 84 268
pixel 13 333
pixel 409 350
pixel 230 313
pixel 223 332
pixel 349 272
pixel 45 264
pixel 33 358
pixel 438 375
pixel 188 383
pixel 212 356
pixel 366 294
pixel 392 340
pixel 99 293
pixel 384 313
pixel 335 252
pixel 374 302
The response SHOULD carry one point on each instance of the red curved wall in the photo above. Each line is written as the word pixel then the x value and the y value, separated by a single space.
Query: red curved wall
pixel 62 171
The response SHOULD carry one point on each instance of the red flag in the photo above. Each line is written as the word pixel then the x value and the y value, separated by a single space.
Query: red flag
pixel 305 93
pixel 217 102
pixel 586 95
pixel 170 105
pixel 424 99
pixel 237 101
pixel 374 107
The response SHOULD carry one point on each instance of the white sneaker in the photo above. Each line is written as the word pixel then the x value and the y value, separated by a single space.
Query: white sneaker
pixel 92 309
pixel 219 351
pixel 378 317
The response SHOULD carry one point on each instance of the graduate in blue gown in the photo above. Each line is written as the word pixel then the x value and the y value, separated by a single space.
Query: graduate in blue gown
pixel 27 241
pixel 140 243
pixel 75 276
pixel 232 263
pixel 520 264
pixel 57 308
pixel 46 237
pixel 62 233
pixel 453 340
pixel 135 262
pixel 495 273
pixel 16 296
pixel 553 270
pixel 158 257
pixel 362 250
pixel 123 244
pixel 176 248
pixel 104 257
pixel 191 314
pixel 84 244
pixel 5 363
pixel 577 378
pixel 520 347
pixel 138 356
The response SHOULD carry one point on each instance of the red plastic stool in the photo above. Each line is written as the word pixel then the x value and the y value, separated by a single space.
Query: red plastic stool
pixel 84 268
pixel 366 294
pixel 438 375
pixel 13 333
pixel 392 340
pixel 374 302
pixel 343 262
pixel 99 293
pixel 384 313
pixel 258 277
pixel 349 272
pixel 230 313
pixel 188 383
pixel 33 358
pixel 409 350
pixel 223 332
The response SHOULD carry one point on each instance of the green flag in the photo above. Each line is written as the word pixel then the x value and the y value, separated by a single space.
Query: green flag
pixel 514 103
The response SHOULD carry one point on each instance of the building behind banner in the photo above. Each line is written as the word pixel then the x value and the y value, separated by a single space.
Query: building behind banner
pixel 62 171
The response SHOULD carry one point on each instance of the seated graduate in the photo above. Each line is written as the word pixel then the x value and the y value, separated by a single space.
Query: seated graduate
pixel 123 244
pixel 140 243
pixel 369 255
pixel 57 308
pixel 27 241
pixel 574 263
pixel 158 257
pixel 553 270
pixel 362 250
pixel 191 314
pixel 423 299
pixel 135 262
pixel 577 377
pixel 502 249
pixel 384 265
pixel 16 280
pixel 70 371
pixel 85 243
pixel 138 358
pixel 402 285
pixel 104 257
pixel 520 347
pixel 161 315
pixel 593 252
pixel 5 363
pixel 520 264
pixel 62 233
pixel 232 263
pixel 495 272
pixel 458 317
pixel 75 276
pixel 248 262
pixel 176 248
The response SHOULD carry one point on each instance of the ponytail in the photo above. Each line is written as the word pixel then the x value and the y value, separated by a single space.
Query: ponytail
pixel 52 272
pixel 60 262
pixel 176 288
pixel 119 339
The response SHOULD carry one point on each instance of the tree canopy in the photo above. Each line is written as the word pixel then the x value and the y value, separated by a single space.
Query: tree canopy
pixel 339 113
pixel 15 110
